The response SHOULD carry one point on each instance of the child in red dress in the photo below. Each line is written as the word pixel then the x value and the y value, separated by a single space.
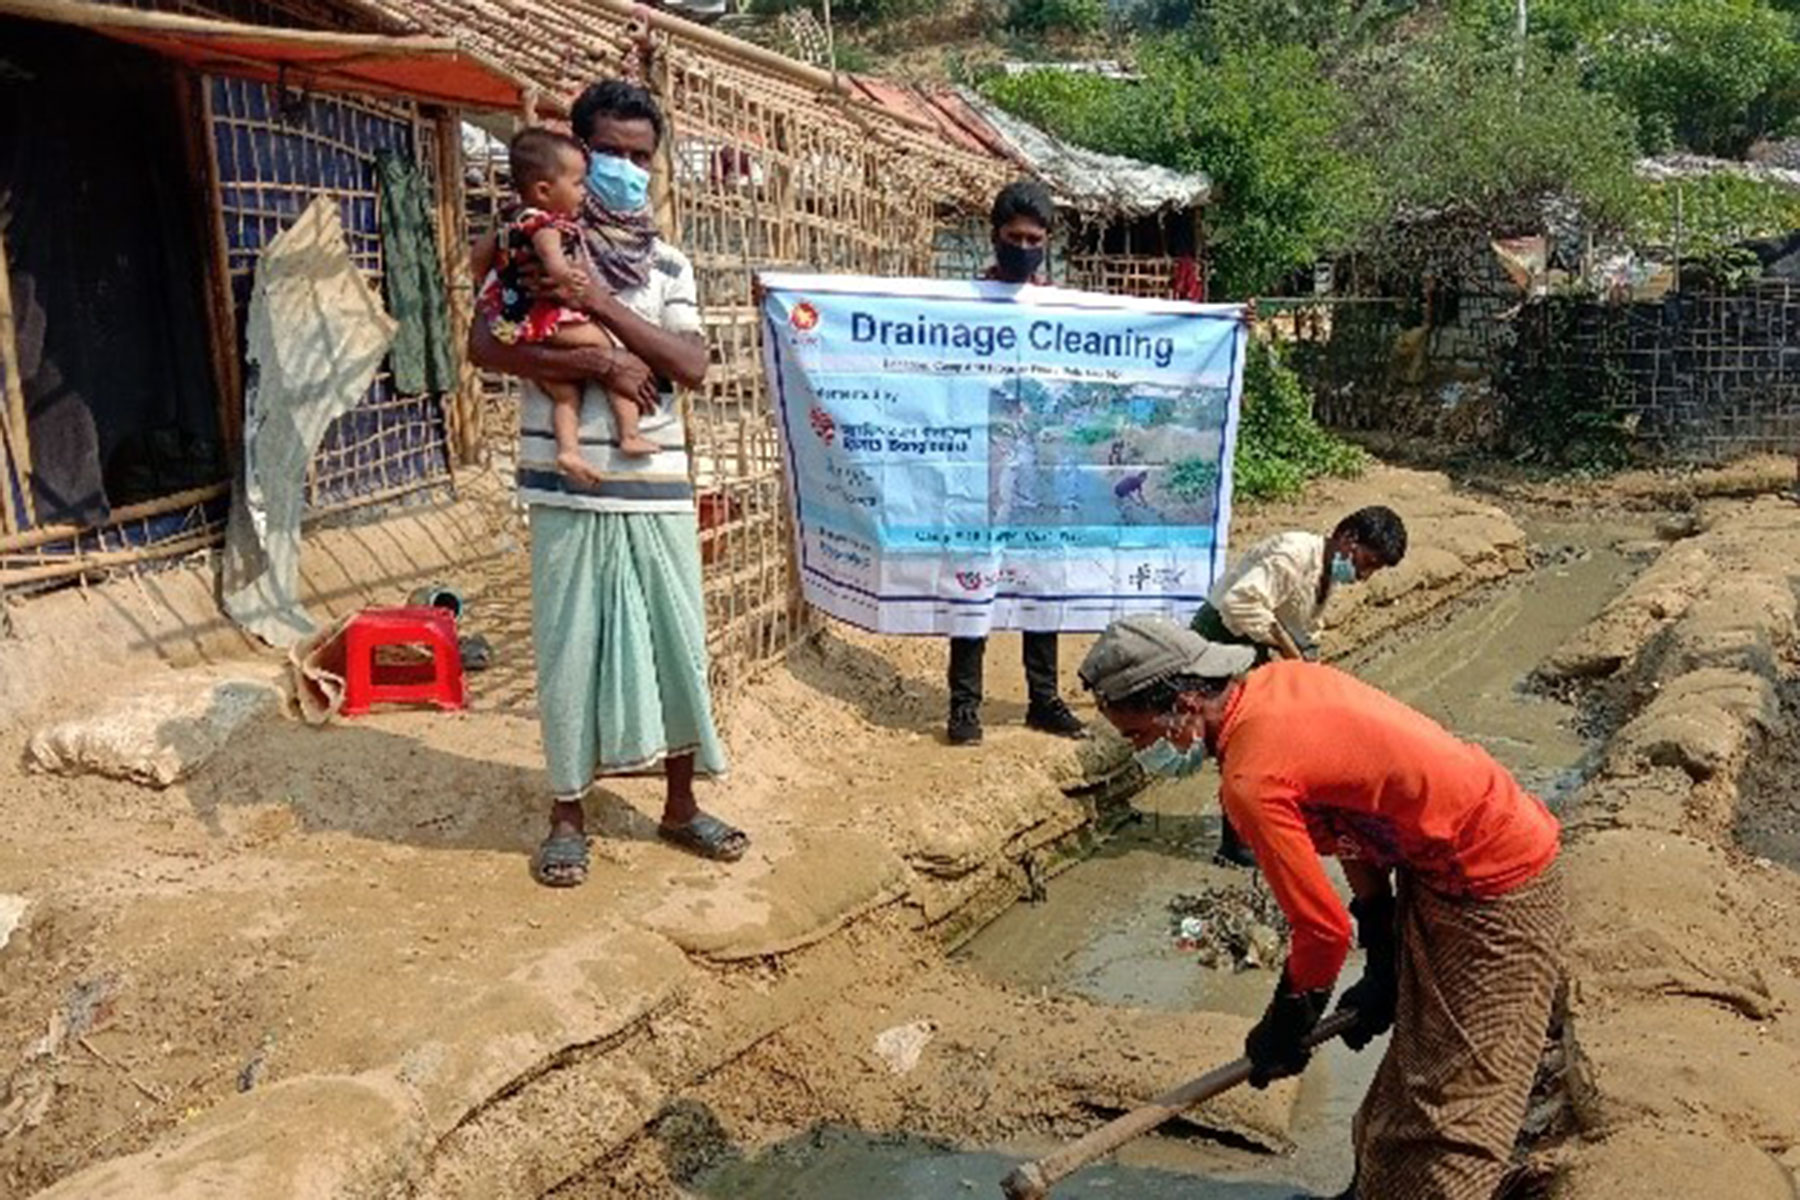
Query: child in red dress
pixel 548 170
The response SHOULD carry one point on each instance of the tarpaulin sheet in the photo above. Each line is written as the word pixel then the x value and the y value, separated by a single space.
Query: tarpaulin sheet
pixel 315 337
pixel 423 68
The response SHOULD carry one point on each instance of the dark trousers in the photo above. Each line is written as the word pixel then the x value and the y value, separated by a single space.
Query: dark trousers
pixel 965 670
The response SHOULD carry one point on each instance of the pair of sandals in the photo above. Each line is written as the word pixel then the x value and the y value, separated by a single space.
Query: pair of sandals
pixel 562 859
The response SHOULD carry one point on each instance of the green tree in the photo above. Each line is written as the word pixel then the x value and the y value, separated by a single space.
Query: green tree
pixel 1261 122
pixel 1709 75
pixel 1449 123
pixel 1056 16
pixel 1703 219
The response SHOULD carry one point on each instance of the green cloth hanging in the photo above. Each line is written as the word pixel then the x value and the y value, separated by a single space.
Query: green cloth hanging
pixel 416 295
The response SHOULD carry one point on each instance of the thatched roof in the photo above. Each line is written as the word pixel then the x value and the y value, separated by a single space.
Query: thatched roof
pixel 563 45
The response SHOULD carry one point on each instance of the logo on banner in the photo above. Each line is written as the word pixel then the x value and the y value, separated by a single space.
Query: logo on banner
pixel 804 318
pixel 822 424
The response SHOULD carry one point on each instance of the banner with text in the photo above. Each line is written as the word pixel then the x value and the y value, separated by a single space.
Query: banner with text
pixel 973 456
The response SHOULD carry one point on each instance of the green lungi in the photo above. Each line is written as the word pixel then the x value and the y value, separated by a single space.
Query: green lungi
pixel 619 626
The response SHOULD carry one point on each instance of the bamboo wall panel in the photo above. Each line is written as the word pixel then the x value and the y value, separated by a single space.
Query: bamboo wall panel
pixel 274 156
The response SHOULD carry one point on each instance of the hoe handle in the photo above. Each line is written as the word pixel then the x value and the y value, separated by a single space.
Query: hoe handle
pixel 1033 1180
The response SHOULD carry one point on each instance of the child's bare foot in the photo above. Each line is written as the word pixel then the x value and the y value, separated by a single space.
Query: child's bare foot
pixel 637 447
pixel 576 470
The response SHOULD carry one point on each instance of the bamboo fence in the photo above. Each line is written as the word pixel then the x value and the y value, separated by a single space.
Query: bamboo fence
pixel 767 165
pixel 1697 376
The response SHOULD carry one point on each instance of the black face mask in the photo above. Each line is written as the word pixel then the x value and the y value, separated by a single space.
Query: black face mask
pixel 1018 263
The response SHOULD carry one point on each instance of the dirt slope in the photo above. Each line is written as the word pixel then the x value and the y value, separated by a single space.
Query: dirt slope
pixel 318 966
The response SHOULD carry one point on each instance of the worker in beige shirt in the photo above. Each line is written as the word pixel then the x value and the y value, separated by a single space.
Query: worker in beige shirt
pixel 1271 599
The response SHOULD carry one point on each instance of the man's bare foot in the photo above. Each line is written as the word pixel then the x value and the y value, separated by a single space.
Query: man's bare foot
pixel 637 447
pixel 575 469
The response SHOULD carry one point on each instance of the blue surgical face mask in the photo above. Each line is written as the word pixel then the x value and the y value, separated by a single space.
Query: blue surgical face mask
pixel 619 184
pixel 1343 569
pixel 1162 758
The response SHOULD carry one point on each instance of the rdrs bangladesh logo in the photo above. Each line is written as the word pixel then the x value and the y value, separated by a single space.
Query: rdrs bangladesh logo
pixel 823 425
pixel 804 318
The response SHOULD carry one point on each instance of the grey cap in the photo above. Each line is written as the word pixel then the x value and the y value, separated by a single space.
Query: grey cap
pixel 1136 652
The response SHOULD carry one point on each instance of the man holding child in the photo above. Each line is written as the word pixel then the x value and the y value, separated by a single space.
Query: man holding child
pixel 618 619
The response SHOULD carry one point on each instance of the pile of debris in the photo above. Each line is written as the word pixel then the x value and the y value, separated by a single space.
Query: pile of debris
pixel 1238 925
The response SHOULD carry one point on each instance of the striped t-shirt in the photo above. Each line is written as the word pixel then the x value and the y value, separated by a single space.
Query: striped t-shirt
pixel 659 482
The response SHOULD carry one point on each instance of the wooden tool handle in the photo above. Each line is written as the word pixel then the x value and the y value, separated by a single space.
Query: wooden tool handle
pixel 1033 1180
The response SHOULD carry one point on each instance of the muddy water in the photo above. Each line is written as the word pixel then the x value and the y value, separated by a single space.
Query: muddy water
pixel 1103 930
pixel 837 1164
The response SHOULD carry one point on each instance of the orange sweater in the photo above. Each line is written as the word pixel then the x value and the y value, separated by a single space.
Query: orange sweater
pixel 1315 762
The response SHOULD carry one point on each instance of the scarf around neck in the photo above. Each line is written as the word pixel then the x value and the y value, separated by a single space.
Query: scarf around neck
pixel 619 244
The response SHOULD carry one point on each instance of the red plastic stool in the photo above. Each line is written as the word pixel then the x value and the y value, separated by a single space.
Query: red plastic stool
pixel 367 682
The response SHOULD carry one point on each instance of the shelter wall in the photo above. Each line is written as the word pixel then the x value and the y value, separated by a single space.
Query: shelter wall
pixel 1699 375
pixel 254 160
pixel 1694 377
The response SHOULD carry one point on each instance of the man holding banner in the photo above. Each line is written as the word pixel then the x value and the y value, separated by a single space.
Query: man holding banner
pixel 965 457
pixel 1021 222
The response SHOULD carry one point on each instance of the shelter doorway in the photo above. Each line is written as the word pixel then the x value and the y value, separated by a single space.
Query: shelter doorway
pixel 100 212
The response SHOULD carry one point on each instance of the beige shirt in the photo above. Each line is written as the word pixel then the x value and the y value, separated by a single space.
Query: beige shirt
pixel 1276 581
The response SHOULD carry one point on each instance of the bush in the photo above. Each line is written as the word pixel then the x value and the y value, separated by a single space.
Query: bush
pixel 1056 16
pixel 1280 447
pixel 1703 218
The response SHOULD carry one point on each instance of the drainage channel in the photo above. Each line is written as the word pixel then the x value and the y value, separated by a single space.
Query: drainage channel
pixel 1103 933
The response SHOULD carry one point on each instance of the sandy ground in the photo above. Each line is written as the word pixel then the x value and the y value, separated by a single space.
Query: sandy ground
pixel 1683 1039
pixel 319 967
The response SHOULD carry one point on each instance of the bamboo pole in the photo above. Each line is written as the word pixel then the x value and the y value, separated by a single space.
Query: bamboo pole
pixel 12 459
pixel 18 432
pixel 9 516
pixel 221 307
pixel 453 246
pixel 101 560
pixel 161 507
pixel 221 319
pixel 662 178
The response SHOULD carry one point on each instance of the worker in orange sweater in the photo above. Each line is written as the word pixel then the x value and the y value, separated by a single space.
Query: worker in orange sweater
pixel 1458 900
